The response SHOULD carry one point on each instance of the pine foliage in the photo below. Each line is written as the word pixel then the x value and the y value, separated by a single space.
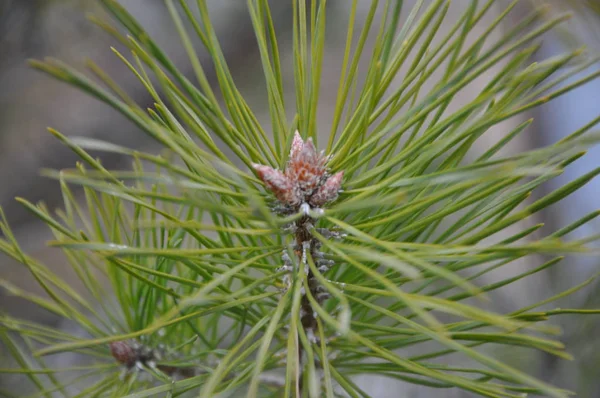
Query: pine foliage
pixel 242 260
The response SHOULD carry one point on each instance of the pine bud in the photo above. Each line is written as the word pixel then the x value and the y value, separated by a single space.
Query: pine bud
pixel 306 178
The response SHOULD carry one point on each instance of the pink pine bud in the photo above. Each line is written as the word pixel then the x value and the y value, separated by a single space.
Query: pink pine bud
pixel 305 167
pixel 305 177
pixel 328 192
pixel 278 183
pixel 297 145
pixel 309 153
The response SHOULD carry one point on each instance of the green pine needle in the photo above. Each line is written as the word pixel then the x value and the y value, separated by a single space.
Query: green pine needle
pixel 182 253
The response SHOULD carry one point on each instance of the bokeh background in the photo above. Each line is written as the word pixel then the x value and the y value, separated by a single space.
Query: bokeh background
pixel 30 101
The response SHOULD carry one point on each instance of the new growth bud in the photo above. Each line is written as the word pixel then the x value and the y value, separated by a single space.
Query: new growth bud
pixel 306 178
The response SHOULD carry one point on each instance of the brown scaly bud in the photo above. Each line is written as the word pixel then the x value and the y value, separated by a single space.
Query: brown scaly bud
pixel 123 352
pixel 306 178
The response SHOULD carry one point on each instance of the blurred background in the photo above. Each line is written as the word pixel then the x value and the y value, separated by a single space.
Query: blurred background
pixel 30 102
